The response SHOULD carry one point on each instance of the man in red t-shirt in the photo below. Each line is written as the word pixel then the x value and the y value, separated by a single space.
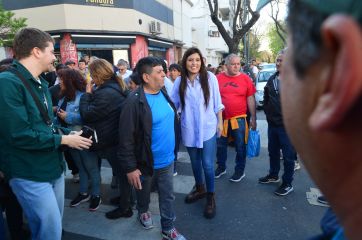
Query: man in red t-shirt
pixel 237 94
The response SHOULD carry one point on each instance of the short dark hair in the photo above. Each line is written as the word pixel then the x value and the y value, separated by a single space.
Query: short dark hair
pixel 60 66
pixel 307 40
pixel 134 77
pixel 146 65
pixel 69 62
pixel 174 66
pixel 82 60
pixel 28 38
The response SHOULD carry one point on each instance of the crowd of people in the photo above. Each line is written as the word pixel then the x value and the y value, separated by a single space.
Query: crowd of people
pixel 135 119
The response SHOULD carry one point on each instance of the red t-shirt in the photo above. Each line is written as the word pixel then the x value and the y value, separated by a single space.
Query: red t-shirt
pixel 234 90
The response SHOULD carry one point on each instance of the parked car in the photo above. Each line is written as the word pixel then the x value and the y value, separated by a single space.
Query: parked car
pixel 261 80
pixel 265 66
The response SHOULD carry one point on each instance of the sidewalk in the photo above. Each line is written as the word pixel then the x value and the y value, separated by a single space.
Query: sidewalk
pixel 79 220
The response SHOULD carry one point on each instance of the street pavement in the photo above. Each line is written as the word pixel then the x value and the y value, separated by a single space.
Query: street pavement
pixel 246 210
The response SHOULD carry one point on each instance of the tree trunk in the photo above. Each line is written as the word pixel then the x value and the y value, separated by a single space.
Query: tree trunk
pixel 234 48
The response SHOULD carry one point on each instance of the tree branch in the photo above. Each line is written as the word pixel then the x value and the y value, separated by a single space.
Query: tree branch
pixel 279 28
pixel 237 13
pixel 241 12
pixel 246 27
pixel 218 23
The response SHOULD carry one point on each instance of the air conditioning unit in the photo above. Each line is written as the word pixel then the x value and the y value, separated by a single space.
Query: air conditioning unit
pixel 155 27
pixel 212 33
pixel 158 27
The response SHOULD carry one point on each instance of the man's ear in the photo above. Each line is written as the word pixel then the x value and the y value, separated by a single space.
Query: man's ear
pixel 36 52
pixel 145 77
pixel 342 40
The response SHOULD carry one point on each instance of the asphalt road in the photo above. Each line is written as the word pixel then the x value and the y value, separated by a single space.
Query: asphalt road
pixel 245 210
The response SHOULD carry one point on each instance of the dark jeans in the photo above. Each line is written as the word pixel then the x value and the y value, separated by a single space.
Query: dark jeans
pixel 125 189
pixel 13 211
pixel 278 139
pixel 240 147
pixel 87 163
pixel 163 178
pixel 70 162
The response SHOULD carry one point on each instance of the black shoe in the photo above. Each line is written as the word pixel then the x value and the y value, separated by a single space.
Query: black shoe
pixel 94 203
pixel 79 199
pixel 237 176
pixel 323 200
pixel 115 200
pixel 269 179
pixel 119 212
pixel 284 189
pixel 219 172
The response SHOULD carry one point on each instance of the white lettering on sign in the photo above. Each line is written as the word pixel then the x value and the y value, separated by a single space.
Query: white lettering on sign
pixel 101 2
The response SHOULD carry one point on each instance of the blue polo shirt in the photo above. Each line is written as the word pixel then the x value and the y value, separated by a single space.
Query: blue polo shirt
pixel 163 133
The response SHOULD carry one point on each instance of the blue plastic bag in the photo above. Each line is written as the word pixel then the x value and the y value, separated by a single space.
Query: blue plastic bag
pixel 253 147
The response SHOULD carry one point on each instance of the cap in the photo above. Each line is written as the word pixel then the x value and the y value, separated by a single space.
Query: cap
pixel 349 7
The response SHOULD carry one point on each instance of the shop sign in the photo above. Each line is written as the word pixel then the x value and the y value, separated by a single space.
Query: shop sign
pixel 102 3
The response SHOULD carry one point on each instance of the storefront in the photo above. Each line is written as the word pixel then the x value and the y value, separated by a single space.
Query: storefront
pixel 112 47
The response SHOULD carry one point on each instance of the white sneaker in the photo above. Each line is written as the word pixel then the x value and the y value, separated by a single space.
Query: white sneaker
pixel 146 220
pixel 172 234
pixel 296 165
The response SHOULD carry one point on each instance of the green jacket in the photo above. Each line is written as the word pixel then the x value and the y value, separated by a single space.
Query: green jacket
pixel 28 147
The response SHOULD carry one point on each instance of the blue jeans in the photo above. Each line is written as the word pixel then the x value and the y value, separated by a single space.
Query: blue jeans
pixel 329 225
pixel 278 139
pixel 203 159
pixel 240 147
pixel 163 178
pixel 43 205
pixel 87 163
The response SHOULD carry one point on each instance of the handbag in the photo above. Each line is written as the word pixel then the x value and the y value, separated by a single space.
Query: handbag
pixel 253 146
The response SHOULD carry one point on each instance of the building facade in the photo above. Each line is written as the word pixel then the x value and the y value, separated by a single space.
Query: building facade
pixel 205 34
pixel 111 29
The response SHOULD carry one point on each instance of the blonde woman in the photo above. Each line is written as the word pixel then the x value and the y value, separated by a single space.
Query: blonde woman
pixel 100 108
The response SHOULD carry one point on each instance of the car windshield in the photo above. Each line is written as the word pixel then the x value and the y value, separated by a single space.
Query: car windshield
pixel 264 76
pixel 268 66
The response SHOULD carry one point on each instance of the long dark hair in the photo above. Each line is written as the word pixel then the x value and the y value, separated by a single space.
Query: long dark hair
pixel 72 81
pixel 202 76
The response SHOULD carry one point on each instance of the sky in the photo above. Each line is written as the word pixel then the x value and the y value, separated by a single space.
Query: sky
pixel 265 19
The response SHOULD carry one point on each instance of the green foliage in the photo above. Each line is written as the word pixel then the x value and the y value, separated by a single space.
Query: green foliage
pixel 275 42
pixel 253 39
pixel 9 26
pixel 254 45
